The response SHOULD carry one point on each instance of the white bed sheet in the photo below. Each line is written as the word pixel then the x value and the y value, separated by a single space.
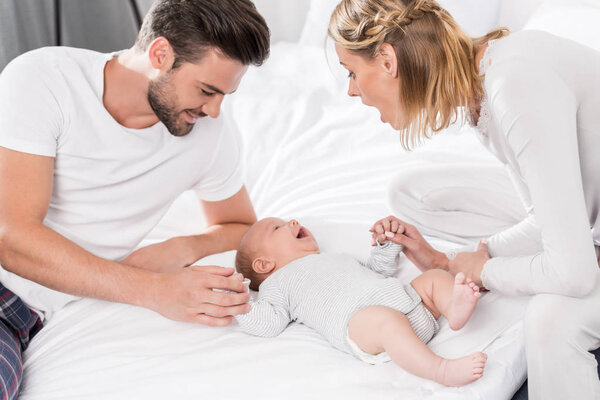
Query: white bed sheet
pixel 311 153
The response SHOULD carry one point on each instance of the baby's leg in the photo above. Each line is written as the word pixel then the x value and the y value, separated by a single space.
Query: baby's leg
pixel 376 329
pixel 453 297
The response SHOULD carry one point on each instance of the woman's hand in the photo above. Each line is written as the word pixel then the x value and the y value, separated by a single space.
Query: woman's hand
pixel 416 247
pixel 471 263
pixel 385 227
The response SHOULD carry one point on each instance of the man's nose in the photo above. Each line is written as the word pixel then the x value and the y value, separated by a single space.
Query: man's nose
pixel 213 107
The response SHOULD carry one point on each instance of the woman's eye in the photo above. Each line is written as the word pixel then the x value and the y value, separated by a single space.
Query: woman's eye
pixel 351 75
pixel 208 93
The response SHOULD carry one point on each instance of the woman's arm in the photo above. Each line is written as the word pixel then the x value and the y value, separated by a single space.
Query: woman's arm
pixel 537 113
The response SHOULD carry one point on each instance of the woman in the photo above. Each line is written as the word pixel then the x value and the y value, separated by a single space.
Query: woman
pixel 535 102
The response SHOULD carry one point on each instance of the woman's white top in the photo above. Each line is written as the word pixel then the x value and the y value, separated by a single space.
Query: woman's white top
pixel 541 118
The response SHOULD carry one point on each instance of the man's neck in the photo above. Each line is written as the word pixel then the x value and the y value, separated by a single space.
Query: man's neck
pixel 126 79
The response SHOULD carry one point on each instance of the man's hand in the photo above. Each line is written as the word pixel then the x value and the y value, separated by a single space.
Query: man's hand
pixel 384 228
pixel 167 256
pixel 471 263
pixel 416 247
pixel 188 295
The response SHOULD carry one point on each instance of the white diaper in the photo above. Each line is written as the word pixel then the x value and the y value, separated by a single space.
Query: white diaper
pixel 421 320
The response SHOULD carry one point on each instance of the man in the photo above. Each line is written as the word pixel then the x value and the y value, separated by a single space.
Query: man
pixel 93 150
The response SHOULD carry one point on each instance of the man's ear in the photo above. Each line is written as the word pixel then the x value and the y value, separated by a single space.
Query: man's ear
pixel 161 54
pixel 263 265
pixel 388 60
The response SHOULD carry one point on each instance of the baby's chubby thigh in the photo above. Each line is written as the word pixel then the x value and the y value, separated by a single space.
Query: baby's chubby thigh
pixel 370 327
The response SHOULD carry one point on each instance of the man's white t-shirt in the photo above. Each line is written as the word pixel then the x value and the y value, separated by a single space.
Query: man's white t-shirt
pixel 111 184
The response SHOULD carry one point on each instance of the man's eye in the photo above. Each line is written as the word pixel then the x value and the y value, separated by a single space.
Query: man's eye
pixel 208 93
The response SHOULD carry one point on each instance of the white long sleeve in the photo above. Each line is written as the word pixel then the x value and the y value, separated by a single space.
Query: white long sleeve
pixel 521 239
pixel 269 315
pixel 544 97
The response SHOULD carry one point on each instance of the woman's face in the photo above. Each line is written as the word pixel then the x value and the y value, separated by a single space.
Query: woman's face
pixel 376 82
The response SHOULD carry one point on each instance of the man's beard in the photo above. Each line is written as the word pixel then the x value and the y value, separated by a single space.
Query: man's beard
pixel 164 107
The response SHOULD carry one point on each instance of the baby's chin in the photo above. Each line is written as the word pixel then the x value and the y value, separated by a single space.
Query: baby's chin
pixel 301 254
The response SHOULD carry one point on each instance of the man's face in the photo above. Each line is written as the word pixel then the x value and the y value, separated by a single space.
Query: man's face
pixel 194 90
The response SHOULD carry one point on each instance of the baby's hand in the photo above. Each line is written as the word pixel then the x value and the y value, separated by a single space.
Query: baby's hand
pixel 384 228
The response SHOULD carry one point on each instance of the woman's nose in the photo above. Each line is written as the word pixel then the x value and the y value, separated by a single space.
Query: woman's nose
pixel 352 90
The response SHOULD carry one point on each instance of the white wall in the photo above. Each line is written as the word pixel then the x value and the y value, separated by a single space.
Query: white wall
pixel 284 17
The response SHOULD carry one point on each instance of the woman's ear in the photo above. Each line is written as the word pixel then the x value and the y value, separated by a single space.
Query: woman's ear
pixel 388 60
pixel 262 265
pixel 161 54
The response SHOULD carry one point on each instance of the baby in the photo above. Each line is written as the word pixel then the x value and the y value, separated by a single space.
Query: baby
pixel 360 308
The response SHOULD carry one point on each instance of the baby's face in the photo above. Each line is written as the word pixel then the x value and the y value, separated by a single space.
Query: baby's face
pixel 282 241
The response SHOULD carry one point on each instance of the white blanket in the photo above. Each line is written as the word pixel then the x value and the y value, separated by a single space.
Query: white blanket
pixel 314 154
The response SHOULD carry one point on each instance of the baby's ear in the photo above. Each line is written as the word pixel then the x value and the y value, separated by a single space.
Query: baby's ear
pixel 262 265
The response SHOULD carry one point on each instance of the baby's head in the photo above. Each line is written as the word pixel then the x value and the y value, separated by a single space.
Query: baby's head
pixel 270 244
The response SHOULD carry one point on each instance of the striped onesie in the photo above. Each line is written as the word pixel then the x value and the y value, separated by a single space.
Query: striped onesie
pixel 323 291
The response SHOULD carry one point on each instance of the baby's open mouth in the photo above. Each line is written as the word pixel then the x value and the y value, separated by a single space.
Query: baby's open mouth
pixel 301 234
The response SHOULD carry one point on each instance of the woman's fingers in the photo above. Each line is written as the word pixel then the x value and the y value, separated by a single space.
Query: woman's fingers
pixel 482 246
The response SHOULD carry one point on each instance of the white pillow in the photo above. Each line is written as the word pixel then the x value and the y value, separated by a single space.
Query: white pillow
pixel 314 32
pixel 577 21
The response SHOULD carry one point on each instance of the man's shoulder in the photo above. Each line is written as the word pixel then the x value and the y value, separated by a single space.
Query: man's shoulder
pixel 52 64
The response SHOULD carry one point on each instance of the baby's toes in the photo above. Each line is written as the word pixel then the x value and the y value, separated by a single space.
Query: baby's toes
pixel 459 279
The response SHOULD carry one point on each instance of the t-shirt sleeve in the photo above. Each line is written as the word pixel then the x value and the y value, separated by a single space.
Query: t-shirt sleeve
pixel 31 117
pixel 225 174
pixel 536 112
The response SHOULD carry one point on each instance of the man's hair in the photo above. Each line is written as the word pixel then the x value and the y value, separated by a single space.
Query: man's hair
pixel 193 26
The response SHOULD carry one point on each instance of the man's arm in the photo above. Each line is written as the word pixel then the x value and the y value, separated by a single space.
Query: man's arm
pixel 31 250
pixel 227 221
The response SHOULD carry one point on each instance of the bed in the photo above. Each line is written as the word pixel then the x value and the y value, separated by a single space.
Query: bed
pixel 314 154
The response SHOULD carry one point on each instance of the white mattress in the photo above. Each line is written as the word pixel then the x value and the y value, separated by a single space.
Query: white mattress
pixel 314 154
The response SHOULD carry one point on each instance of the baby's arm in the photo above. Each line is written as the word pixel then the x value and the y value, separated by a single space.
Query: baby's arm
pixel 268 316
pixel 384 254
pixel 383 258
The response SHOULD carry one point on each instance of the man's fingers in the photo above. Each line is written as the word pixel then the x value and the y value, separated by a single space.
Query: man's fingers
pixel 213 269
pixel 218 311
pixel 395 226
pixel 379 229
pixel 226 299
pixel 211 321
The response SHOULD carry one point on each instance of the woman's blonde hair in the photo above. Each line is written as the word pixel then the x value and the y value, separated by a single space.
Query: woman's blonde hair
pixel 436 58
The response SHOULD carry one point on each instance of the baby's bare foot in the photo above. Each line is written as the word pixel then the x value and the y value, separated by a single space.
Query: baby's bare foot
pixel 464 299
pixel 461 371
